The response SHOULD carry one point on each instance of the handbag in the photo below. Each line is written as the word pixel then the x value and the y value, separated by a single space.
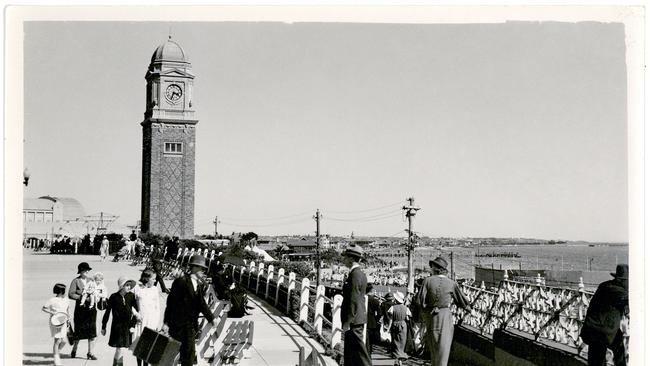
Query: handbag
pixel 102 303
pixel 70 334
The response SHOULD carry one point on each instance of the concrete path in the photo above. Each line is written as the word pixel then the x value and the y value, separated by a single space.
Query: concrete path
pixel 276 339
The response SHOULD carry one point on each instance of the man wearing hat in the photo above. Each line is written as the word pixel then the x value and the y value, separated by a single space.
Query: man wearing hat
pixel 435 297
pixel 602 327
pixel 353 310
pixel 184 303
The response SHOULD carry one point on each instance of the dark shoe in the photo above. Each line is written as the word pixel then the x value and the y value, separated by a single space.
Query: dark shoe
pixel 91 357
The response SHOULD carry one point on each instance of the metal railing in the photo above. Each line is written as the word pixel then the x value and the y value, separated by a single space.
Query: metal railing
pixel 548 314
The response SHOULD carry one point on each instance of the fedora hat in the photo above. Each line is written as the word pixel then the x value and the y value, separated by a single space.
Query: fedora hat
pixel 399 297
pixel 354 251
pixel 439 262
pixel 58 319
pixel 622 271
pixel 83 266
pixel 198 260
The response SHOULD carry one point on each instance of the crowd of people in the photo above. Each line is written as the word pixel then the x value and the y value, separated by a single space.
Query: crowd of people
pixel 422 323
pixel 397 314
pixel 413 324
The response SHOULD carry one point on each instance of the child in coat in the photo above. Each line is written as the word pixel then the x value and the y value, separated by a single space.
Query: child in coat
pixel 57 307
pixel 124 307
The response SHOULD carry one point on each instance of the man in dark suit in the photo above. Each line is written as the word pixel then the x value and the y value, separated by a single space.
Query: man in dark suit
pixel 602 327
pixel 353 310
pixel 374 313
pixel 184 303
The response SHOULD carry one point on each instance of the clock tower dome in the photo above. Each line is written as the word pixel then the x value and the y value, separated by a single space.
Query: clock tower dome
pixel 168 144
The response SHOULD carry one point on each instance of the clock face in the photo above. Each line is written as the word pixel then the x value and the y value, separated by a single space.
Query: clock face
pixel 173 93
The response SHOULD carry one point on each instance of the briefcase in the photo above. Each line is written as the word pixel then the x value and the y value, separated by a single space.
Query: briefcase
pixel 156 348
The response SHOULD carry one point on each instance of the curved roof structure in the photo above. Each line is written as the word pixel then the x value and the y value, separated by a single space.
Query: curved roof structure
pixel 169 51
pixel 38 204
pixel 71 208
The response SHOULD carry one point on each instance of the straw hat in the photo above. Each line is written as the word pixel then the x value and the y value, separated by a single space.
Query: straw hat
pixel 399 297
pixel 354 251
pixel 123 281
pixel 58 319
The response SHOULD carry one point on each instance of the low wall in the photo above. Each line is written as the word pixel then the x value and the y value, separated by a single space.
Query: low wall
pixel 507 348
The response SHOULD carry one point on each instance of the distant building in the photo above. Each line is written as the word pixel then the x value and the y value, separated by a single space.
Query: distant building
pixel 47 217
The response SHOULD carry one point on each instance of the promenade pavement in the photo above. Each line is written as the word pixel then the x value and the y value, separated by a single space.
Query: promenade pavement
pixel 276 340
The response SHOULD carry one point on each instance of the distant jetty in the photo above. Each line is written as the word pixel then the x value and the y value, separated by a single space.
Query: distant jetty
pixel 498 255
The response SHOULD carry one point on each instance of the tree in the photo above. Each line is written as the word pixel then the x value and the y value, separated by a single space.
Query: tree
pixel 249 236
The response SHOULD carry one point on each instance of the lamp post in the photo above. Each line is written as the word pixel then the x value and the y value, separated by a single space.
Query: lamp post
pixel 26 175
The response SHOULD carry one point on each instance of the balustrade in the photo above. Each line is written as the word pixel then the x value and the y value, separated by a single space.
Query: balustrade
pixel 551 314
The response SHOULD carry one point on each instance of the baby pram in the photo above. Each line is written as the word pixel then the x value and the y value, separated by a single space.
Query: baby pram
pixel 122 254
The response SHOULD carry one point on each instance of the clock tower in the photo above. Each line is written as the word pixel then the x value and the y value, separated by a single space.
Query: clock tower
pixel 168 144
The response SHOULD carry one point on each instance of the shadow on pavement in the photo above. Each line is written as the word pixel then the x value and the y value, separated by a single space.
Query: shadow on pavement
pixel 46 359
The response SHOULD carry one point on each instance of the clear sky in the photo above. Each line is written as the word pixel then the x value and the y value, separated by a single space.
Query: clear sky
pixel 506 130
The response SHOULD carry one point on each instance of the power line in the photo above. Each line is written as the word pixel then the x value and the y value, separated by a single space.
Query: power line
pixel 268 218
pixel 368 218
pixel 265 225
pixel 365 210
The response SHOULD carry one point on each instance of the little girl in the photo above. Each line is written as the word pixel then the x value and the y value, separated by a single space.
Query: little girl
pixel 148 297
pixel 57 305
pixel 101 293
pixel 122 305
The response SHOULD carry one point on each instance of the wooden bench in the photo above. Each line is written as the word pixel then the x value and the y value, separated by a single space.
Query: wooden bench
pixel 310 360
pixel 239 337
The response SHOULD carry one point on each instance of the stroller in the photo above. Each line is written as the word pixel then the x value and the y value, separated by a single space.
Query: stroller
pixel 122 254
pixel 238 302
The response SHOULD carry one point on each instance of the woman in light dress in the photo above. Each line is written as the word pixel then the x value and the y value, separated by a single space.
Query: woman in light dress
pixel 148 297
pixel 103 249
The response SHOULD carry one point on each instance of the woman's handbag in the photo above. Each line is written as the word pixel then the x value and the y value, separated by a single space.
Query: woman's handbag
pixel 70 334
pixel 102 303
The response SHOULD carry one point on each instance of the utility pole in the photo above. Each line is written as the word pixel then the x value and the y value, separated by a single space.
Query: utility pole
pixel 317 218
pixel 411 209
pixel 215 222
pixel 453 275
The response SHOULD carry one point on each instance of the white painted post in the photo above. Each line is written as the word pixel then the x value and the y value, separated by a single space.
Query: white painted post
pixel 318 309
pixel 269 277
pixel 260 272
pixel 241 274
pixel 252 274
pixel 291 287
pixel 365 325
pixel 280 282
pixel 337 326
pixel 304 300
pixel 251 265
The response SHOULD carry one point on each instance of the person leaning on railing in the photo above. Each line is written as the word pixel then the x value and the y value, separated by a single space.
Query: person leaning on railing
pixel 602 325
pixel 435 297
